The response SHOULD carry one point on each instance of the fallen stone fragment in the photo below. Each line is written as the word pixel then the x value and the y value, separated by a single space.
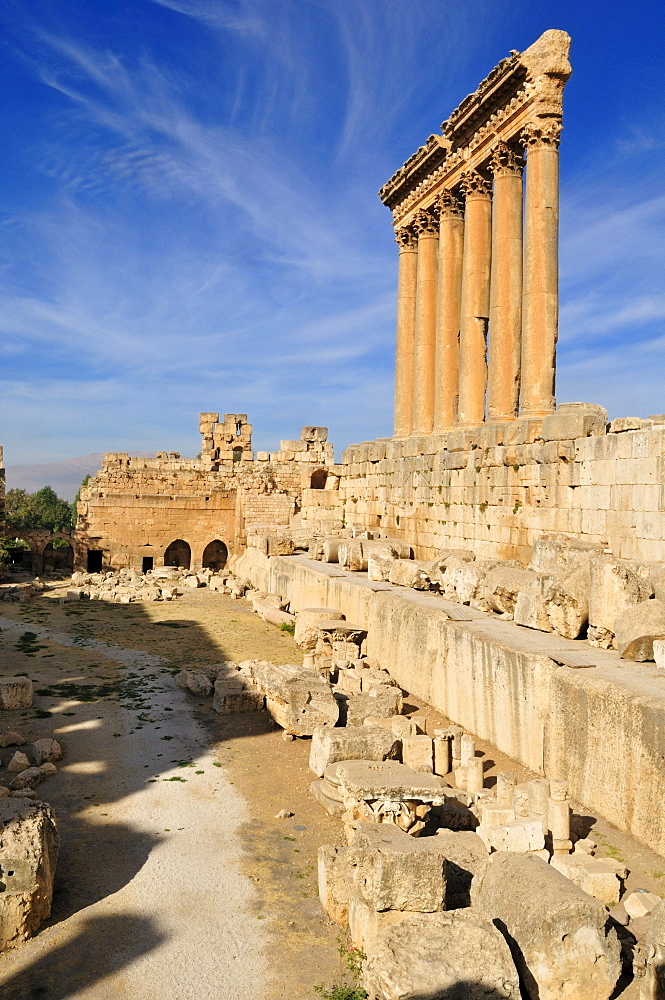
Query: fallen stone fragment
pixel 15 692
pixel 383 701
pixel 46 751
pixel 28 778
pixel 334 877
pixel 640 903
pixel 560 937
pixel 330 745
pixel 653 984
pixel 306 633
pixel 19 762
pixel 409 573
pixel 387 792
pixel 297 698
pixel 236 694
pixel 11 739
pixel 195 682
pixel 637 628
pixel 531 612
pixel 593 875
pixel 29 846
pixel 393 871
pixel 464 852
pixel 659 653
pixel 567 601
pixel 503 584
pixel 616 585
pixel 418 753
pixel 3 791
pixel 283 814
pixel 438 955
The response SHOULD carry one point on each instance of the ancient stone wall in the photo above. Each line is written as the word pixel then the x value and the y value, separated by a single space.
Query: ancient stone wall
pixel 188 511
pixel 490 490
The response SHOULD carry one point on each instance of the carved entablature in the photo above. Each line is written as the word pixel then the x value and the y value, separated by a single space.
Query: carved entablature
pixel 506 160
pixel 522 94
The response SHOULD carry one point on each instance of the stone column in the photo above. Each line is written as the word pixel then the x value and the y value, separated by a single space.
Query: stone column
pixel 505 331
pixel 406 325
pixel 540 303
pixel 451 247
pixel 475 304
pixel 427 227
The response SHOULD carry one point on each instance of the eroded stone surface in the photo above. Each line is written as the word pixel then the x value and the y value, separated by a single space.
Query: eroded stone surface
pixel 29 846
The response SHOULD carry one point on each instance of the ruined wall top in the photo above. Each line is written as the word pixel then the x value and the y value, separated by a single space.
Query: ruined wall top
pixel 525 91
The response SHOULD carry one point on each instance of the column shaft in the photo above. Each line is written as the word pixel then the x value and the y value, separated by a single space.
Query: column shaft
pixel 406 325
pixel 505 330
pixel 451 248
pixel 475 300
pixel 540 303
pixel 425 340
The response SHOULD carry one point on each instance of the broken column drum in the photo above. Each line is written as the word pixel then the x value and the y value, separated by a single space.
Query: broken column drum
pixel 484 324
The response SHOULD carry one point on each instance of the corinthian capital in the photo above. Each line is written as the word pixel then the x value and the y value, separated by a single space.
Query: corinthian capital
pixel 405 238
pixel 426 221
pixel 450 205
pixel 542 134
pixel 475 185
pixel 506 160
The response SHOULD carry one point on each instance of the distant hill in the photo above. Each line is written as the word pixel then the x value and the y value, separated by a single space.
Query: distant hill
pixel 65 477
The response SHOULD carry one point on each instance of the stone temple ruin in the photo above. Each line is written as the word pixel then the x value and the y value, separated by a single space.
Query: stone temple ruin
pixel 500 558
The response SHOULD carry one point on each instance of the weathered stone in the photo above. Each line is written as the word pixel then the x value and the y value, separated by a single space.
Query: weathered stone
pixel 637 627
pixel 387 792
pixel 330 745
pixel 306 632
pixel 418 753
pixel 640 903
pixel 236 694
pixel 46 751
pixel 11 739
pixel 15 692
pixel 659 653
pixel 653 984
pixel 334 877
pixel 195 682
pixel 559 935
pixel 29 777
pixel 615 587
pixel 393 871
pixel 409 573
pixel 567 602
pixel 383 701
pixel 502 585
pixel 592 875
pixel 574 420
pixel 19 762
pixel 432 956
pixel 531 612
pixel 297 698
pixel 465 853
pixel 29 851
pixel 379 566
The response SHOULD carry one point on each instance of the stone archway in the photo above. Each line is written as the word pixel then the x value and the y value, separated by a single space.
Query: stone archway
pixel 215 555
pixel 58 558
pixel 178 553
pixel 318 479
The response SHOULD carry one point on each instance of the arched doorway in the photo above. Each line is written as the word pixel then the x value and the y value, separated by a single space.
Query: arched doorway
pixel 58 557
pixel 318 479
pixel 215 555
pixel 178 554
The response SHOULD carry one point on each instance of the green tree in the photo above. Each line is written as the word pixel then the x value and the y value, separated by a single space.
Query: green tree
pixel 43 509
pixel 86 480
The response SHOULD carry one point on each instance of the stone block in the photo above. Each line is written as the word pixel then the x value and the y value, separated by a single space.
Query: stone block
pixel 330 745
pixel 236 694
pixel 383 701
pixel 19 762
pixel 15 692
pixel 503 584
pixel 195 682
pixel 637 627
pixel 387 792
pixel 418 753
pixel 615 586
pixel 640 903
pixel 29 845
pixel 379 566
pixel 567 602
pixel 393 871
pixel 46 751
pixel 334 877
pixel 560 937
pixel 531 612
pixel 659 653
pixel 653 984
pixel 520 837
pixel 297 698
pixel 429 956
pixel 307 620
pixel 409 573
pixel 465 853
pixel 574 420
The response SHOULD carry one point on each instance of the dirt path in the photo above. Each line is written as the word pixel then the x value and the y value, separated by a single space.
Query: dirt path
pixel 175 879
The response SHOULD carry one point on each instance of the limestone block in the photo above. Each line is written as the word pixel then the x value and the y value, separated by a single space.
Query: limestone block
pixel 11 739
pixel 15 692
pixel 640 903
pixel 637 627
pixel 463 578
pixel 195 682
pixel 418 753
pixel 379 566
pixel 409 573
pixel 620 425
pixel 502 585
pixel 46 751
pixel 383 701
pixel 351 555
pixel 592 875
pixel 306 633
pixel 19 762
pixel 280 545
pixel 567 602
pixel 554 554
pixel 428 956
pixel 32 776
pixel 297 699
pixel 653 984
pixel 334 878
pixel 442 758
pixel 331 549
pixel 659 653
pixel 29 846
pixel 615 587
pixel 520 837
pixel 313 434
pixel 330 745
pixel 236 694
pixel 561 941
pixel 574 420
pixel 393 871
pixel 531 612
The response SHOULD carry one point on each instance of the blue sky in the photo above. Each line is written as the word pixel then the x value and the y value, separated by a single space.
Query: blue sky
pixel 190 220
